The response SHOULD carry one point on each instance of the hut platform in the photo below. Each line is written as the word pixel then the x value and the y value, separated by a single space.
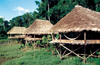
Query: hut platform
pixel 33 39
pixel 76 42
pixel 83 43
pixel 15 37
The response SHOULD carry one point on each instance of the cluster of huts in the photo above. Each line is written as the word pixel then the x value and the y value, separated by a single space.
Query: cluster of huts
pixel 80 20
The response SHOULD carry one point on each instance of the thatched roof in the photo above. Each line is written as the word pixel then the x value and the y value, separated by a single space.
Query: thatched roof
pixel 77 20
pixel 17 30
pixel 39 27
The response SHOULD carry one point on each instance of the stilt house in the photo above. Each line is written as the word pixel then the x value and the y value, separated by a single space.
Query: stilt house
pixel 16 32
pixel 37 29
pixel 84 22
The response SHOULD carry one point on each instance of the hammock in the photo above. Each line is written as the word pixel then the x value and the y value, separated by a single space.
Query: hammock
pixel 72 38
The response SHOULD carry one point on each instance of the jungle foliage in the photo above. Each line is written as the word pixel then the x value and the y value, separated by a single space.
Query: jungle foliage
pixel 56 10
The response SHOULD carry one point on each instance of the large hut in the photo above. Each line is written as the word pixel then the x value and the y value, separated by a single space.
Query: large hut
pixel 37 29
pixel 16 32
pixel 79 20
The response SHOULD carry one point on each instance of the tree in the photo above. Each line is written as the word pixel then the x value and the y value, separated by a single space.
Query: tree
pixel 2 23
pixel 97 5
pixel 60 8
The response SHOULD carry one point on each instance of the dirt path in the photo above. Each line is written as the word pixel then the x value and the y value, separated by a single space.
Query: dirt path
pixel 2 60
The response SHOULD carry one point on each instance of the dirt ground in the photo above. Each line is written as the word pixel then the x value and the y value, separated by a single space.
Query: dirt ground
pixel 2 60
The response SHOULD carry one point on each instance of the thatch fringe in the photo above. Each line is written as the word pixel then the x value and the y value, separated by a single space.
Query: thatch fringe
pixel 17 30
pixel 39 27
pixel 77 20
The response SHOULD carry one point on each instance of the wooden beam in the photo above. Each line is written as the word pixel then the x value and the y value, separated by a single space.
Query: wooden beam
pixel 88 55
pixel 60 38
pixel 93 53
pixel 64 52
pixel 26 43
pixel 52 37
pixel 34 39
pixel 84 37
pixel 71 51
pixel 58 53
pixel 84 47
pixel 60 46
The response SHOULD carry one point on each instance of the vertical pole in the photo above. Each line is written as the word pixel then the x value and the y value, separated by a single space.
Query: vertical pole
pixel 60 46
pixel 34 41
pixel 84 47
pixel 26 43
pixel 60 38
pixel 8 39
pixel 52 37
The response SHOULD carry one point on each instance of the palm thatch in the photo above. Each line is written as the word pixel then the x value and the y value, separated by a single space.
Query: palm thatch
pixel 39 27
pixel 77 20
pixel 17 30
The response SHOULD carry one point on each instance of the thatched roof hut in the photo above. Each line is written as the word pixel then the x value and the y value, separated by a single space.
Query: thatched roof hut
pixel 17 30
pixel 77 20
pixel 39 27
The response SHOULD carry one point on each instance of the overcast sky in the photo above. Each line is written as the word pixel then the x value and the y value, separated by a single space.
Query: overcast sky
pixel 13 8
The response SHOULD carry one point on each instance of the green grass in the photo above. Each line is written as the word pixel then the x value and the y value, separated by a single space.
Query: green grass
pixel 16 56
pixel 4 39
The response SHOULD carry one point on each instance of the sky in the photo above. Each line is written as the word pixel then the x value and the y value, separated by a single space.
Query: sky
pixel 13 8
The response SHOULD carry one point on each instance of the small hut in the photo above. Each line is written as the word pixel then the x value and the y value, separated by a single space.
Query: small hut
pixel 80 19
pixel 16 32
pixel 37 29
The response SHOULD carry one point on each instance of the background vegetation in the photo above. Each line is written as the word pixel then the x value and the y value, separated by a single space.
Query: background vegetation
pixel 57 10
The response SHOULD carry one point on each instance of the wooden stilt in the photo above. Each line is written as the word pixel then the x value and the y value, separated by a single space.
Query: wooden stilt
pixel 26 43
pixel 71 51
pixel 58 52
pixel 34 41
pixel 9 41
pixel 60 46
pixel 64 52
pixel 93 53
pixel 60 38
pixel 52 37
pixel 84 47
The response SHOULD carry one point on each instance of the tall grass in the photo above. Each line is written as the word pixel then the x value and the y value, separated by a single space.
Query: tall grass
pixel 40 56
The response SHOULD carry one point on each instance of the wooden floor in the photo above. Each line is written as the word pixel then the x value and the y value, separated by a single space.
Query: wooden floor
pixel 33 39
pixel 16 37
pixel 80 42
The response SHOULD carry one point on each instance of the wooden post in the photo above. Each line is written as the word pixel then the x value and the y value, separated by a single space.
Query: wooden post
pixel 34 39
pixel 84 47
pixel 26 43
pixel 60 38
pixel 52 37
pixel 60 46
